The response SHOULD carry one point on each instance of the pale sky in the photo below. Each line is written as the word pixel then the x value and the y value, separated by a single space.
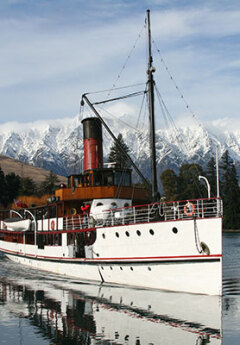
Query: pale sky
pixel 52 51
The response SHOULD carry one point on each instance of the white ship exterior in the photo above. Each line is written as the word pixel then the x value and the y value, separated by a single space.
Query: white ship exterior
pixel 93 229
pixel 178 253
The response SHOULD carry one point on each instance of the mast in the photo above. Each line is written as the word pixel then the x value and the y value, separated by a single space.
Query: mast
pixel 151 84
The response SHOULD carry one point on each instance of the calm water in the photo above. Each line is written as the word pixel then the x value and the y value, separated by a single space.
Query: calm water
pixel 40 308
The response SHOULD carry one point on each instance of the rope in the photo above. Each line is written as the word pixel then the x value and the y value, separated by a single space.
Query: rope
pixel 196 235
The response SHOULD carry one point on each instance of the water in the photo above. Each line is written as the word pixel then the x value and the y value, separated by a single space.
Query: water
pixel 41 308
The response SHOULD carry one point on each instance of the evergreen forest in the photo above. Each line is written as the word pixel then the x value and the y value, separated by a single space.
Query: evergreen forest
pixel 12 185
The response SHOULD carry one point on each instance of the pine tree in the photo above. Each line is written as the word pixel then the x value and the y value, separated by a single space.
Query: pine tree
pixel 230 193
pixel 28 186
pixel 169 184
pixel 188 184
pixel 117 156
pixel 3 190
pixel 49 185
pixel 211 176
pixel 13 182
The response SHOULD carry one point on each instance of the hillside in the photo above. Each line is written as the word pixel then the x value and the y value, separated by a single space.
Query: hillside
pixel 9 165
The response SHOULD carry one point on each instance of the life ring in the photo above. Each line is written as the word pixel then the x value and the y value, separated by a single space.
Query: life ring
pixel 52 225
pixel 189 209
pixel 73 211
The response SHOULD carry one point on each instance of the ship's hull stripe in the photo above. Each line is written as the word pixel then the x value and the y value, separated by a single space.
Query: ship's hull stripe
pixel 122 261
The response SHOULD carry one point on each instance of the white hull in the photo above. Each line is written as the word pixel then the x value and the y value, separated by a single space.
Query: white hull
pixel 164 260
pixel 178 276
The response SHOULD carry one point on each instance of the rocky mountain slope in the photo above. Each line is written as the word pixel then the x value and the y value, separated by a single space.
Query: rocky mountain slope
pixel 57 145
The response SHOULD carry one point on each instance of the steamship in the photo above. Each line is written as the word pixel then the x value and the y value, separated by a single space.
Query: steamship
pixel 104 229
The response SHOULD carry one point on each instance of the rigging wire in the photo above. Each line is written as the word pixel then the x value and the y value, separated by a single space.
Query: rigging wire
pixel 169 120
pixel 117 88
pixel 187 106
pixel 134 94
pixel 181 143
pixel 127 59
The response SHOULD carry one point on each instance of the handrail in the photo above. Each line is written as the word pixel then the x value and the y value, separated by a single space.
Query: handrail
pixel 163 211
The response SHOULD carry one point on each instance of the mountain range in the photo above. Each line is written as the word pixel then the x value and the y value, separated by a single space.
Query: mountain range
pixel 57 145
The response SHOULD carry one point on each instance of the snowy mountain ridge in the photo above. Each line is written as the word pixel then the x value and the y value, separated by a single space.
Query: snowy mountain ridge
pixel 57 145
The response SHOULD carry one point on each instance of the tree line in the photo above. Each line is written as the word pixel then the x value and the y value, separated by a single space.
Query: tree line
pixel 186 184
pixel 12 185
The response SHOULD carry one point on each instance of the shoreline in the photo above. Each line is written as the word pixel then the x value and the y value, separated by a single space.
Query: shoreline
pixel 231 230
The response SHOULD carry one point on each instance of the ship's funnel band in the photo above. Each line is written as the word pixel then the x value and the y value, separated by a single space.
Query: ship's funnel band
pixel 93 151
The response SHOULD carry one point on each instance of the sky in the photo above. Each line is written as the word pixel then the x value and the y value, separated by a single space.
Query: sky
pixel 53 51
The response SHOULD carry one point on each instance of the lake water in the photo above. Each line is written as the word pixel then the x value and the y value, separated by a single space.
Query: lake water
pixel 41 308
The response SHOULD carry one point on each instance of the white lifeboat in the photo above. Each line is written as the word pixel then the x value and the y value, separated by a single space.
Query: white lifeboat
pixel 16 224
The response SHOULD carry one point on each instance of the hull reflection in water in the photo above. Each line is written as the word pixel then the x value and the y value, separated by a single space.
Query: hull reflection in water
pixel 69 312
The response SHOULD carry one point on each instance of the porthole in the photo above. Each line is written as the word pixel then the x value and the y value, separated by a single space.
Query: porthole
pixel 175 230
pixel 149 268
pixel 138 232
pixel 117 234
pixel 131 268
pixel 127 233
pixel 111 268
pixel 103 236
pixel 126 204
pixel 102 268
pixel 151 232
pixel 121 268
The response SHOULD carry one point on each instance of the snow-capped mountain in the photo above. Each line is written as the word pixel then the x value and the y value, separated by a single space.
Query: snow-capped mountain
pixel 57 145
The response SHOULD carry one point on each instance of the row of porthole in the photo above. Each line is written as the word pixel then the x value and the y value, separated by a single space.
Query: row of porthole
pixel 138 232
pixel 131 268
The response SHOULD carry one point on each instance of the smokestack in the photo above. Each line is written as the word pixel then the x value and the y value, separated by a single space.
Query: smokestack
pixel 92 142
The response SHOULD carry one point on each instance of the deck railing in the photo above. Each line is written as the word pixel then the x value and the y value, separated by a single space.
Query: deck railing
pixel 163 211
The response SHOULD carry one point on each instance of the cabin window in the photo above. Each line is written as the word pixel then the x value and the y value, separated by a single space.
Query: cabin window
pixel 127 233
pixel 138 232
pixel 126 204
pixel 151 231
pixel 52 211
pixel 99 204
pixel 122 178
pixel 97 179
pixel 113 205
pixel 108 178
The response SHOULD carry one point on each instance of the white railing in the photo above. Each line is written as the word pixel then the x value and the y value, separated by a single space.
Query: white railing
pixel 164 211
